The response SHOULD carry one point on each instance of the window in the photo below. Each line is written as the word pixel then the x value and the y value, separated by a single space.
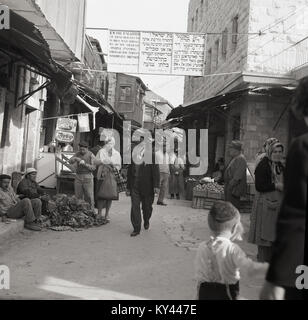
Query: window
pixel 235 32
pixel 192 24
pixel 209 61
pixel 216 54
pixel 224 43
pixel 126 93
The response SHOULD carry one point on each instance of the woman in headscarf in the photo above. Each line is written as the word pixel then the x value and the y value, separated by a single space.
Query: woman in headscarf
pixel 109 157
pixel 264 151
pixel 269 187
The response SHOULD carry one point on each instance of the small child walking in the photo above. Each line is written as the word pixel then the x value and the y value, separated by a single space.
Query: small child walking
pixel 219 261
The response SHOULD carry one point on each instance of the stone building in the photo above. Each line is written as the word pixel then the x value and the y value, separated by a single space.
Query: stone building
pixel 156 110
pixel 250 45
pixel 126 94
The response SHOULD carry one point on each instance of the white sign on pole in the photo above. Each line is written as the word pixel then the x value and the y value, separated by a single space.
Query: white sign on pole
pixel 156 53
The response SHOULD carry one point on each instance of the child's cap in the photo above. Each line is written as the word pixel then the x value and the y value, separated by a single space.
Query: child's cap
pixel 223 211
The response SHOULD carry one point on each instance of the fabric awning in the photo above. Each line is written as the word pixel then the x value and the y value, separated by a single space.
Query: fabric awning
pixel 200 106
pixel 94 110
pixel 96 98
pixel 194 110
pixel 24 42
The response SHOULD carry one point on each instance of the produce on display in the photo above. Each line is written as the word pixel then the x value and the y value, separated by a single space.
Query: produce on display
pixel 70 212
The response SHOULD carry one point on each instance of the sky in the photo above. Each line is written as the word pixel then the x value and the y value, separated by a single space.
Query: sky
pixel 143 15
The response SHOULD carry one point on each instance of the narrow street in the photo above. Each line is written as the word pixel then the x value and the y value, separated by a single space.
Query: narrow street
pixel 106 263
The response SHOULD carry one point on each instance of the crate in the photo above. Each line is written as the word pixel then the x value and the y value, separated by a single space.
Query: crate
pixel 215 195
pixel 200 193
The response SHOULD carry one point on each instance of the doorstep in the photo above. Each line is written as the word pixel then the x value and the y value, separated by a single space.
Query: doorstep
pixel 9 230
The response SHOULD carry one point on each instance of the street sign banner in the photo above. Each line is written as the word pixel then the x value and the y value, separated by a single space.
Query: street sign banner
pixel 162 53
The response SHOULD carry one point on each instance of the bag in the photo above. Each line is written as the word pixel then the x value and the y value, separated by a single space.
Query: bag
pixel 108 188
pixel 121 182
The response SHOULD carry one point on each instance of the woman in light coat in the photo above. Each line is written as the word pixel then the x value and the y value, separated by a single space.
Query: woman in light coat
pixel 107 156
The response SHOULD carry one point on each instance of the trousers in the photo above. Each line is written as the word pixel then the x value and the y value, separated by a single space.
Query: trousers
pixel 30 209
pixel 147 208
pixel 84 188
pixel 218 291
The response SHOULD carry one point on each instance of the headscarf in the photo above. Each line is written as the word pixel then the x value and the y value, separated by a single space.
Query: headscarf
pixel 264 153
pixel 275 166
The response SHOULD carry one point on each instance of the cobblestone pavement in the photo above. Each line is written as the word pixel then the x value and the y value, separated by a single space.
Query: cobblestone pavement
pixel 106 263
pixel 187 228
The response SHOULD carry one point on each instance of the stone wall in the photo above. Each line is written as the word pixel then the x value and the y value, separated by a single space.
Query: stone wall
pixel 283 23
pixel 214 17
pixel 14 156
pixel 273 52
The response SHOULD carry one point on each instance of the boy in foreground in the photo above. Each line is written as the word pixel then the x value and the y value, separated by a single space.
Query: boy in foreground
pixel 219 261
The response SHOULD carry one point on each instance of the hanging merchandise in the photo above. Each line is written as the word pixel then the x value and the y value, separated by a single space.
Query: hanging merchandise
pixel 66 124
pixel 83 123
pixel 65 130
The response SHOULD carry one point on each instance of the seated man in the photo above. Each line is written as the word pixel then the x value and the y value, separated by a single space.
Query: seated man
pixel 12 207
pixel 28 188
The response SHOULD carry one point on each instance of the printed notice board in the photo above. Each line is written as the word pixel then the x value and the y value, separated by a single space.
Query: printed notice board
pixel 162 53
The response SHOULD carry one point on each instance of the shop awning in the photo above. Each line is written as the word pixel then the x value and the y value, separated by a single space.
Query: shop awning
pixel 194 109
pixel 200 106
pixel 23 42
pixel 95 98
pixel 94 110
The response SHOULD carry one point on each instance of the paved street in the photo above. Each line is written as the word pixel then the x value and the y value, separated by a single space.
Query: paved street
pixel 106 263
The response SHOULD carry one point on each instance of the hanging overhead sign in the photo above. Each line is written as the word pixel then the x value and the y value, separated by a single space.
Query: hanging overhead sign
pixel 4 17
pixel 161 53
pixel 65 130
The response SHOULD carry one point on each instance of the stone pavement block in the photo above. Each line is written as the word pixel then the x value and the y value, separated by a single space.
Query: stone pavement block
pixel 8 230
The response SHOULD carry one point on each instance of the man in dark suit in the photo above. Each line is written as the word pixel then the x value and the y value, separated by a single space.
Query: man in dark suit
pixel 235 175
pixel 142 185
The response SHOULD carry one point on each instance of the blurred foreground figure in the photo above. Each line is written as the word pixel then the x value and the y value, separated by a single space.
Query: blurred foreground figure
pixel 288 249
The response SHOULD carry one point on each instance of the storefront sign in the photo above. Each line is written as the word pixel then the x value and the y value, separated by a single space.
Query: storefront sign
pixel 66 124
pixel 4 17
pixel 64 136
pixel 156 53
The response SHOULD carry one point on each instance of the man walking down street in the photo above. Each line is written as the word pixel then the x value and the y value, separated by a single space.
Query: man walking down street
pixel 235 175
pixel 14 208
pixel 85 160
pixel 142 184
pixel 162 159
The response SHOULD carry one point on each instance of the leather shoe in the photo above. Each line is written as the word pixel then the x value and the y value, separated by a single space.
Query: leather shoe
pixel 134 234
pixel 33 227
pixel 146 225
pixel 161 204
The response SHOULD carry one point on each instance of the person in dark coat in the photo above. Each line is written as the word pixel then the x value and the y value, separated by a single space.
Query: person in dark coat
pixel 289 247
pixel 142 185
pixel 235 175
pixel 269 187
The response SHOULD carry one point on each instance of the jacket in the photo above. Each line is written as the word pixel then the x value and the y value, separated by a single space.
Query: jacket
pixel 149 178
pixel 235 176
pixel 29 188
